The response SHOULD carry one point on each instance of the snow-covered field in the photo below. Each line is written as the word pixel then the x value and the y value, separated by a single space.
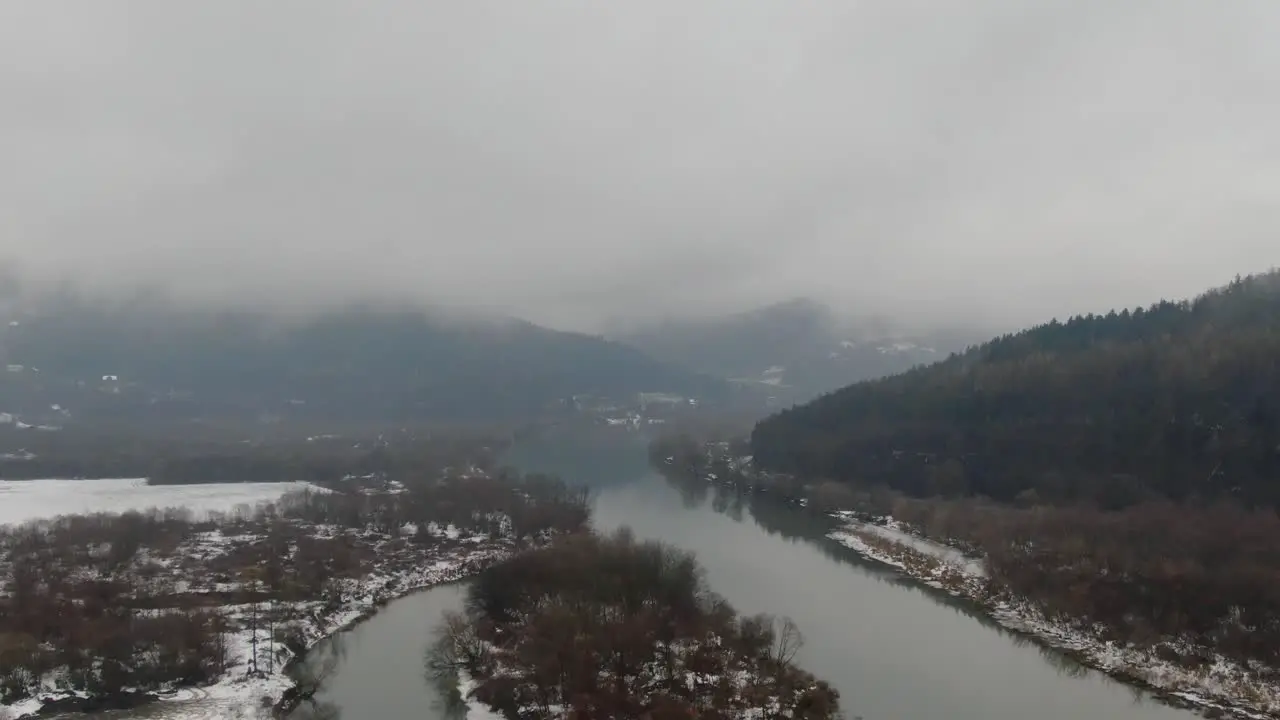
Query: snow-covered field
pixel 22 500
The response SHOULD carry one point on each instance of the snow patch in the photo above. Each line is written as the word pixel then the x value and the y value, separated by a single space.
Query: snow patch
pixel 22 500
pixel 476 710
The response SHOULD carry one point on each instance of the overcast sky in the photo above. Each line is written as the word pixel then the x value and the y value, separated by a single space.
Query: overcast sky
pixel 572 162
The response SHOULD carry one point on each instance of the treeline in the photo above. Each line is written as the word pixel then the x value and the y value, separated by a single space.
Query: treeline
pixel 320 463
pixel 139 600
pixel 503 505
pixel 611 627
pixel 726 463
pixel 193 460
pixel 1178 400
pixel 1188 581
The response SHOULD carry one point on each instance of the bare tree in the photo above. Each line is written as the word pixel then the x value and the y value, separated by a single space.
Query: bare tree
pixel 252 583
pixel 787 641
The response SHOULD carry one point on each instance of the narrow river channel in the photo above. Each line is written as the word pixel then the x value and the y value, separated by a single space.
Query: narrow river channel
pixel 895 651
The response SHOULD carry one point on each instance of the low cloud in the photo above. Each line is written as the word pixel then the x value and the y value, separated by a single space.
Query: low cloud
pixel 574 163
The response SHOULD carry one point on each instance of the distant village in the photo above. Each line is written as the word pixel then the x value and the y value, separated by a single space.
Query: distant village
pixel 645 409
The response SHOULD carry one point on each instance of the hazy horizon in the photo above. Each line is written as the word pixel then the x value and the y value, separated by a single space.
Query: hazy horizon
pixel 990 164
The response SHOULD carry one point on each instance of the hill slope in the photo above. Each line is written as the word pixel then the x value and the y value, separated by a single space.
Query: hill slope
pixel 1179 399
pixel 369 363
pixel 799 347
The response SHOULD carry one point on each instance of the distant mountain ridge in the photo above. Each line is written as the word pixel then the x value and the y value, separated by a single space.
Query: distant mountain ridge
pixel 797 349
pixel 389 365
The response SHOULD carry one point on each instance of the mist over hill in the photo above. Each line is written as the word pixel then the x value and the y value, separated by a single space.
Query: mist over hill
pixel 795 349
pixel 373 364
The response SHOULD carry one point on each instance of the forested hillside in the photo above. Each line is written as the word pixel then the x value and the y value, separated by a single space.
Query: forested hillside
pixel 1177 400
pixel 360 364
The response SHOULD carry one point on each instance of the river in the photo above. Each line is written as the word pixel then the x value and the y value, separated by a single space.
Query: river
pixel 895 651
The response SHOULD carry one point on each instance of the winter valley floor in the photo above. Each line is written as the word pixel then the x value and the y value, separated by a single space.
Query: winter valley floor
pixel 338 557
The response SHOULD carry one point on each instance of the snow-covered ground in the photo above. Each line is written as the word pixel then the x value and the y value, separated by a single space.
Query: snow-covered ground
pixel 238 696
pixel 1224 686
pixel 895 531
pixel 476 710
pixel 22 500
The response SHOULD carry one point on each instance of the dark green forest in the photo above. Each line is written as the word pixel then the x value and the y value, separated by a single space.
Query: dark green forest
pixel 1177 400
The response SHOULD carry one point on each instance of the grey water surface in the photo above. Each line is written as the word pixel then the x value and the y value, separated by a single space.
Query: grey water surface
pixel 895 651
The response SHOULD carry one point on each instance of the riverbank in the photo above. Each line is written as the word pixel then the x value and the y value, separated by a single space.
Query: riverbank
pixel 1219 688
pixel 245 693
pixel 1131 619
pixel 440 573
pixel 612 626
pixel 105 611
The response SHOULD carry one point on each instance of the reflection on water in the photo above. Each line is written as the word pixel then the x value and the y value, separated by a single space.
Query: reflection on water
pixel 894 649
pixel 796 525
pixel 312 676
pixel 380 672
pixel 313 709
pixel 597 459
